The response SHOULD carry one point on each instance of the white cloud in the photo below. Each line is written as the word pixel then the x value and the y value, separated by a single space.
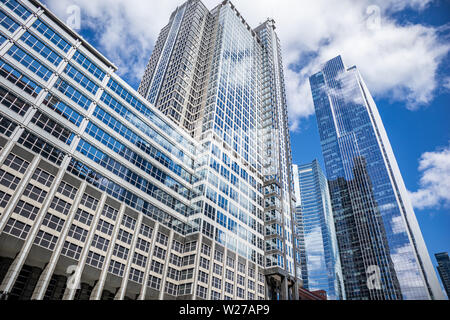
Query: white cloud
pixel 435 180
pixel 397 61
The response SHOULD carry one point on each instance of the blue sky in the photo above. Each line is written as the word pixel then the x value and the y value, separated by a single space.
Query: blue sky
pixel 401 48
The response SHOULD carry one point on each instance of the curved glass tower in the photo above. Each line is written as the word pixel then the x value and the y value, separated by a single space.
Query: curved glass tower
pixel 382 251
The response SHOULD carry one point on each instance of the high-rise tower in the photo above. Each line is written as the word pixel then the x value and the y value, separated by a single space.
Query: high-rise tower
pixel 383 254
pixel 223 82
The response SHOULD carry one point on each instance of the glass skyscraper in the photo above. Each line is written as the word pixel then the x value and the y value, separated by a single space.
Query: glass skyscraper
pixel 317 234
pixel 383 254
pixel 223 82
pixel 183 191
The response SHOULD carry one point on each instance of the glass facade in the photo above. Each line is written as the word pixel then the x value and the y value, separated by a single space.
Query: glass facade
pixel 383 254
pixel 94 176
pixel 318 235
pixel 224 85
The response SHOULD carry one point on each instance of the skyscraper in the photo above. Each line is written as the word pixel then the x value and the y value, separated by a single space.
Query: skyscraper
pixel 383 254
pixel 223 82
pixel 444 270
pixel 315 216
pixel 106 195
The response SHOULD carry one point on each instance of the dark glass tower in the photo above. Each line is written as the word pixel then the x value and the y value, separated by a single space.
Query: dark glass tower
pixel 382 251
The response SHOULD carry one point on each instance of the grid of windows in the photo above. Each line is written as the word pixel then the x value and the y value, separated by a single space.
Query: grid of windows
pixel 19 79
pixel 51 35
pixel 41 48
pixel 72 93
pixel 30 63
pixel 80 78
pixel 7 22
pixel 62 109
pixel 16 163
pixel 13 102
pixel 88 65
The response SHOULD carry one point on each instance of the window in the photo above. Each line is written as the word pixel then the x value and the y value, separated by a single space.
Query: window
pixel 100 242
pixel 206 250
pixel 50 34
pixel 146 231
pixel 189 260
pixel 30 63
pixel 217 283
pixel 171 288
pixel 204 263
pixel 43 177
pixel 173 274
pixel 109 212
pixel 162 238
pixel 136 275
pixel 229 274
pixel 156 267
pixel 218 255
pixel 124 236
pixel 139 259
pixel 128 222
pixel 191 246
pixel 201 291
pixel 67 190
pixel 154 282
pixel 177 246
pixel 17 228
pixel 187 274
pixel 83 217
pixel 202 276
pixel 35 193
pixel 41 48
pixel 89 202
pixel 26 210
pixel 229 288
pixel 53 222
pixel 175 260
pixel 116 268
pixel 13 102
pixel 16 163
pixel 45 240
pixel 79 77
pixel 230 262
pixel 251 285
pixel 215 295
pixel 185 289
pixel 120 251
pixel 4 198
pixel 143 245
pixel 217 269
pixel 52 127
pixel 159 253
pixel 8 180
pixel 71 250
pixel 61 108
pixel 105 227
pixel 8 23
